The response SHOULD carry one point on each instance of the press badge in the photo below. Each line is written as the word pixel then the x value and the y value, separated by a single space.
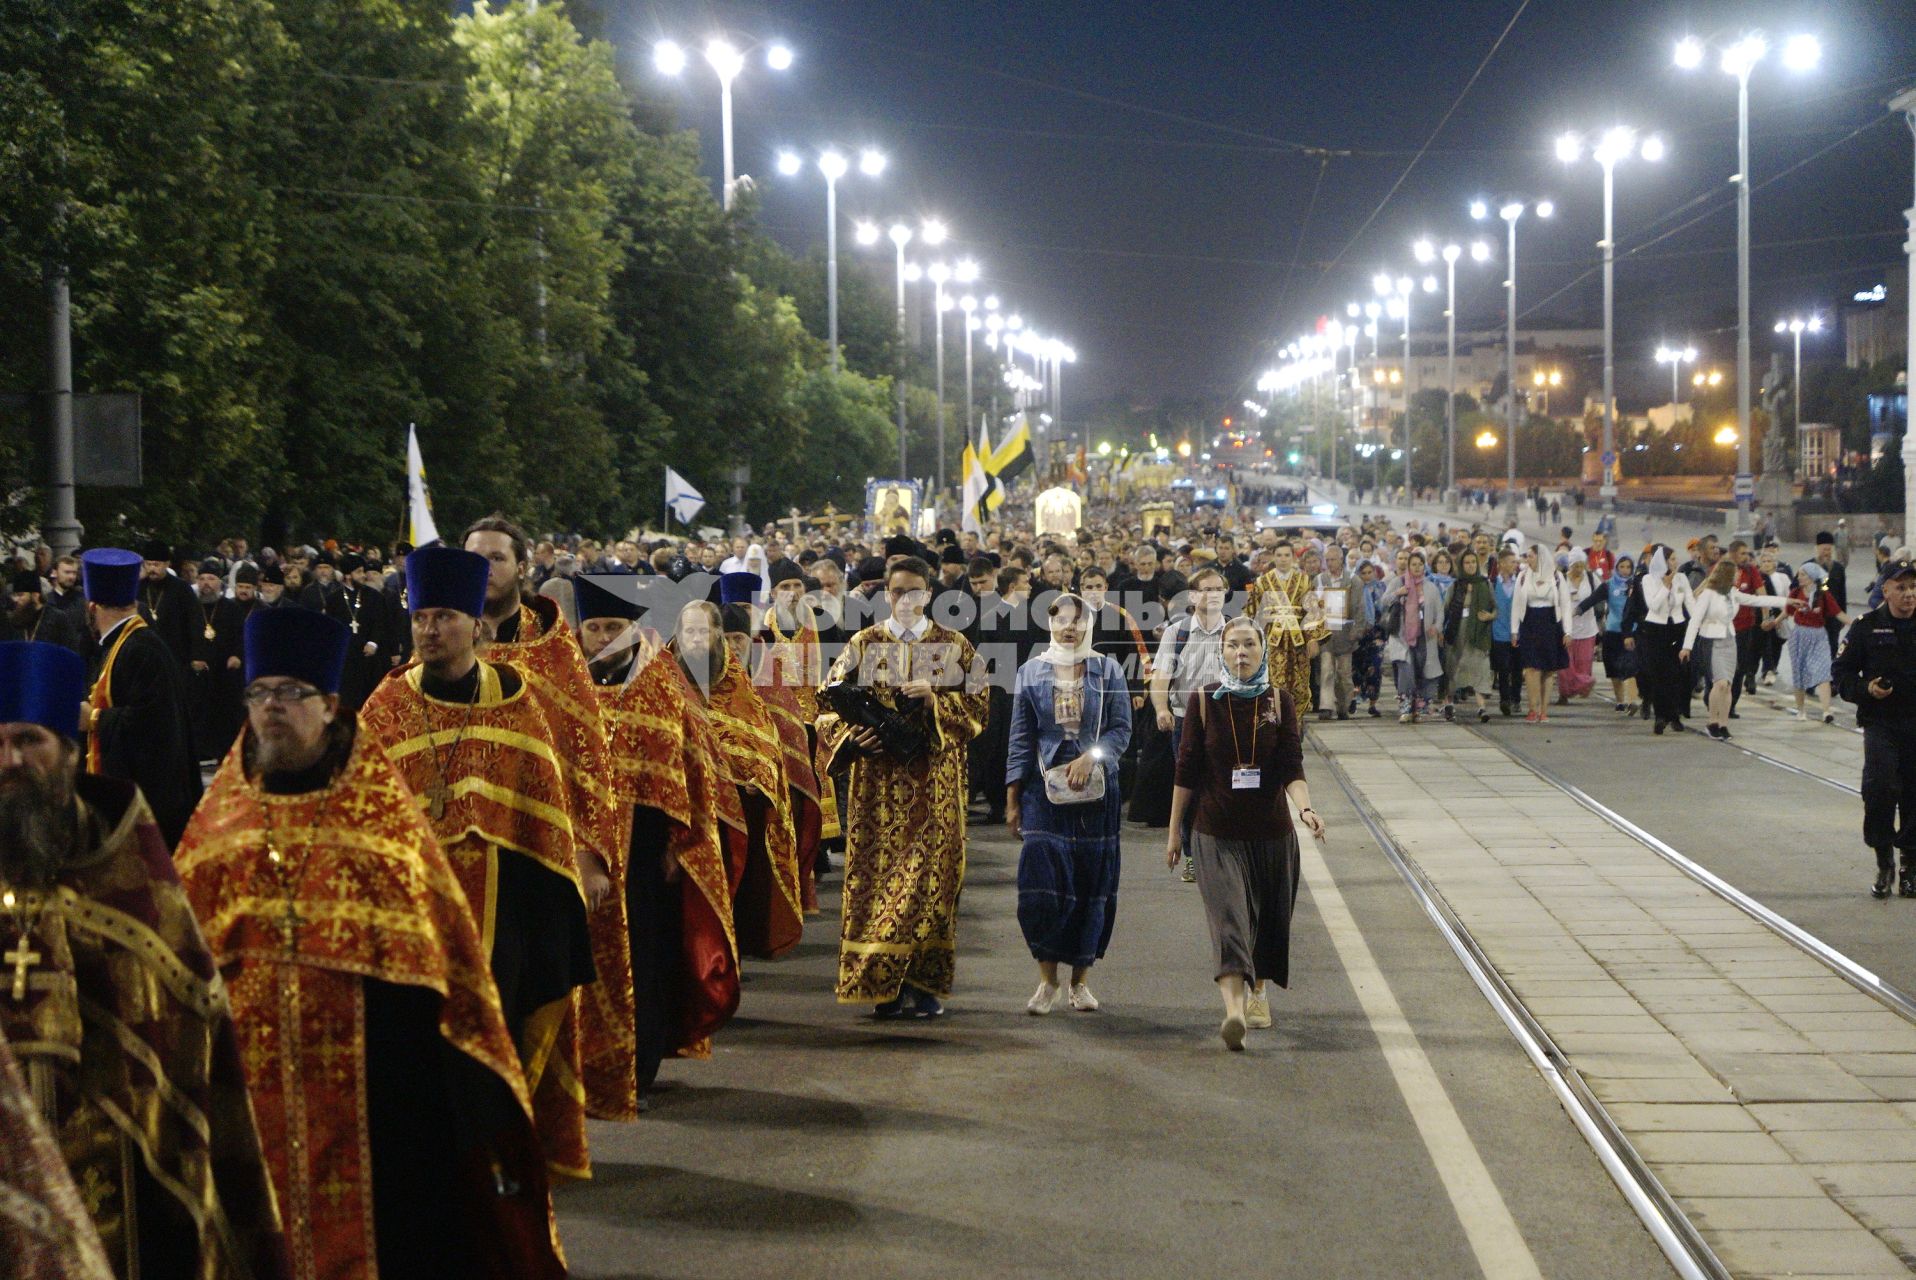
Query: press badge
pixel 1245 778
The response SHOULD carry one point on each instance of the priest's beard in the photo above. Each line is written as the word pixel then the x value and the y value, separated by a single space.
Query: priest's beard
pixel 36 826
pixel 704 669
pixel 788 620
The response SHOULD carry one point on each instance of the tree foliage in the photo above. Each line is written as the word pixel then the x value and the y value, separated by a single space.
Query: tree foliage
pixel 297 226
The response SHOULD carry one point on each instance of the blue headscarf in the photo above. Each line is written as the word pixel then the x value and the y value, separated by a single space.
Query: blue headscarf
pixel 1256 687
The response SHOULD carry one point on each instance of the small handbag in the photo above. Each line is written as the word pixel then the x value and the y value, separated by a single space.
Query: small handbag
pixel 1060 792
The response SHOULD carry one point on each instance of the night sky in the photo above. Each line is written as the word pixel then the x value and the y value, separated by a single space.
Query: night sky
pixel 1171 187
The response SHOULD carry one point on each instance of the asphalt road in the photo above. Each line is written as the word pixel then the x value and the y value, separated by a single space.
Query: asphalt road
pixel 1122 1143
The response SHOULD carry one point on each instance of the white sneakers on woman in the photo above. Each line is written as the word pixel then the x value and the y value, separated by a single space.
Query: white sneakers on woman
pixel 1042 1000
pixel 1082 1000
pixel 1233 1032
pixel 1257 1011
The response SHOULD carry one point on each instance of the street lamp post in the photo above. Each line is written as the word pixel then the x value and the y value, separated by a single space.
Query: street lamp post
pixel 1510 212
pixel 939 274
pixel 1905 102
pixel 969 304
pixel 1619 143
pixel 1800 53
pixel 1427 252
pixel 933 233
pixel 726 61
pixel 832 164
pixel 1796 327
pixel 1676 358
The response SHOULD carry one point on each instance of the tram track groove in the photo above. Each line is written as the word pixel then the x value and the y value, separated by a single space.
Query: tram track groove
pixel 1669 1226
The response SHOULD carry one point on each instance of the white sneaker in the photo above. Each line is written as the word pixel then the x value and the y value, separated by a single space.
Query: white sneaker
pixel 1796 713
pixel 1042 1000
pixel 1081 998
pixel 1257 1012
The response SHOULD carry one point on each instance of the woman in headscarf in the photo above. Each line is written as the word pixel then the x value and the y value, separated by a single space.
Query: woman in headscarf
pixel 1467 619
pixel 1812 605
pixel 1416 608
pixel 1612 604
pixel 1070 721
pixel 1578 677
pixel 1540 619
pixel 1240 769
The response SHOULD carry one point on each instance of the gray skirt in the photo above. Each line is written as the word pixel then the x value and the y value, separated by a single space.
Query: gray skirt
pixel 1718 657
pixel 1249 889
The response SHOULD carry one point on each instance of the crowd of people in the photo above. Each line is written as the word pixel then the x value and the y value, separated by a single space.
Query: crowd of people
pixel 339 887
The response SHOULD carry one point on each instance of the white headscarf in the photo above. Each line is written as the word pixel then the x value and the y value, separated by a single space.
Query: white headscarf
pixel 1056 654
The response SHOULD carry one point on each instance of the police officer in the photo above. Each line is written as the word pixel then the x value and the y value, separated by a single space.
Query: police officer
pixel 1877 671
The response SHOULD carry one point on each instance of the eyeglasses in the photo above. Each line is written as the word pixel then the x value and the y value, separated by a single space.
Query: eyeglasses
pixel 288 694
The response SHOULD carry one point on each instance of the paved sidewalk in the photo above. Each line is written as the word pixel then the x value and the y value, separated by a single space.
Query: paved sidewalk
pixel 1775 1102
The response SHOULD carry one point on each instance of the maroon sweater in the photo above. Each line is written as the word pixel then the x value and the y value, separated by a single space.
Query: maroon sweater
pixel 1208 752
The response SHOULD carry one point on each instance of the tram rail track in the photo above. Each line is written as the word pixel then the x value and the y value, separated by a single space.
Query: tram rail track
pixel 1767 758
pixel 1669 1226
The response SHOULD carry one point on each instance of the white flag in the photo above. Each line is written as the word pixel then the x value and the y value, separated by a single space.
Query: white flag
pixel 420 530
pixel 681 499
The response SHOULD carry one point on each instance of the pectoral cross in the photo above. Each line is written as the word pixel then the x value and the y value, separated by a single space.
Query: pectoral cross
pixel 355 626
pixel 289 924
pixel 436 797
pixel 22 958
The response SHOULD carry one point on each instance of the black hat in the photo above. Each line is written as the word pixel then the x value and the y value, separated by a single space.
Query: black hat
pixel 302 643
pixel 249 573
pixel 26 581
pixel 1894 569
pixel 785 571
pixel 351 563
pixel 871 568
pixel 951 555
pixel 900 545
pixel 273 574
pixel 1824 538
pixel 154 549
pixel 595 601
pixel 736 618
pixel 214 567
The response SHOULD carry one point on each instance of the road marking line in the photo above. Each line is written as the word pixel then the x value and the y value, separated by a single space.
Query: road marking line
pixel 1500 1247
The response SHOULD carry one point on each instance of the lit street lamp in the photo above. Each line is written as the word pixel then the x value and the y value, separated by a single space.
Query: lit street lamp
pixel 1617 144
pixel 832 163
pixel 1796 327
pixel 1510 212
pixel 1427 252
pixel 726 60
pixel 931 232
pixel 1676 358
pixel 1800 53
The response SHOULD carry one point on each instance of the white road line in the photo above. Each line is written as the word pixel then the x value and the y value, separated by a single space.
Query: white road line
pixel 1480 1208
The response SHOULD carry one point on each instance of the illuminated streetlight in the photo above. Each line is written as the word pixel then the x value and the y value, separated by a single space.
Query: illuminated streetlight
pixel 1511 211
pixel 833 165
pixel 1740 59
pixel 1796 327
pixel 669 58
pixel 1676 358
pixel 1726 435
pixel 1616 144
pixel 900 234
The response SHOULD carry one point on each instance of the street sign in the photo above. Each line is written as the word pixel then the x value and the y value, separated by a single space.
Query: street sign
pixel 106 434
pixel 1745 485
pixel 1609 458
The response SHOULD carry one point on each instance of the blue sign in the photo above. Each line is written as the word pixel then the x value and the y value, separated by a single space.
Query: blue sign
pixel 1745 484
pixel 1609 458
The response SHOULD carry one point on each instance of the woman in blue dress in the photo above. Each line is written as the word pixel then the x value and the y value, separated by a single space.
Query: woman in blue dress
pixel 1070 721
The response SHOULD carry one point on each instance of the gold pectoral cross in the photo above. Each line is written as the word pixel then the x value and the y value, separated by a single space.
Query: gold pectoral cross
pixel 355 626
pixel 22 958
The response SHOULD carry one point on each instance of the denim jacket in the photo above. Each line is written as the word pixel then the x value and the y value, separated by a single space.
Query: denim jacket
pixel 1037 743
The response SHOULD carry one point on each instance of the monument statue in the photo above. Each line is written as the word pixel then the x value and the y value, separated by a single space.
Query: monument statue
pixel 1778 455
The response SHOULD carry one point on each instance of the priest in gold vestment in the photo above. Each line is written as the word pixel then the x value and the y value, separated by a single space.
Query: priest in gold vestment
pixel 113 1005
pixel 388 1090
pixel 904 820
pixel 1283 601
pixel 472 742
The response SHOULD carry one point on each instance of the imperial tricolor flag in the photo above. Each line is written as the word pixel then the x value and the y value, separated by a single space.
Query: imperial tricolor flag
pixel 1012 458
pixel 420 530
pixel 681 499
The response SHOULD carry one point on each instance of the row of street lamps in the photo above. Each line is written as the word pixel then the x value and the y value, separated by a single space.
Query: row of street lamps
pixel 1738 58
pixel 1049 355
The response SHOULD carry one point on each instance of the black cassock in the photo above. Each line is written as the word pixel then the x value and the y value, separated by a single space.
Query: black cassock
pixel 220 712
pixel 172 610
pixel 366 614
pixel 146 736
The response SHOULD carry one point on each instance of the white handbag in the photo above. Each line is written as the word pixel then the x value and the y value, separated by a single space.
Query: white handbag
pixel 1059 791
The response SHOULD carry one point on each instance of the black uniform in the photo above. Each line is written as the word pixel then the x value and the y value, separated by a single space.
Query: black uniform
pixel 171 609
pixel 1880 645
pixel 144 737
pixel 365 613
